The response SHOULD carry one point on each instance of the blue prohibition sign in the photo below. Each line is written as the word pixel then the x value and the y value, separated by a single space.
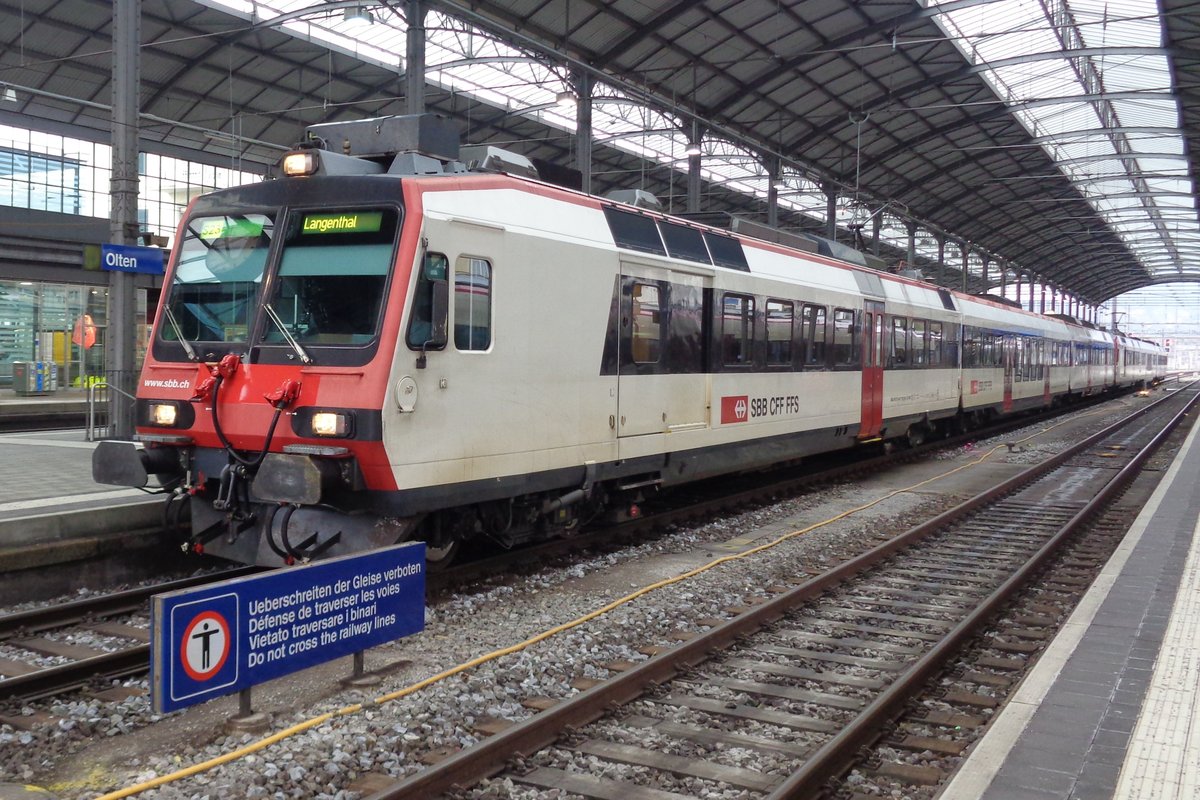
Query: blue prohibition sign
pixel 207 635
pixel 215 640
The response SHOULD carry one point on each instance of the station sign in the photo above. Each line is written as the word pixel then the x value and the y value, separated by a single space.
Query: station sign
pixel 129 258
pixel 224 637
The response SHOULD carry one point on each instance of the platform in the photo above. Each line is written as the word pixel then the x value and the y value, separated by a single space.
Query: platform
pixel 66 406
pixel 50 508
pixel 1109 709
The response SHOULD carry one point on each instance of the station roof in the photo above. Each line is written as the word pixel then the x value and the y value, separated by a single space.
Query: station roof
pixel 1058 136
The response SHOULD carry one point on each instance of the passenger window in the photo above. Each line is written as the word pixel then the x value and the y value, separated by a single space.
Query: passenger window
pixel 917 342
pixel 935 344
pixel 472 303
pixel 737 330
pixel 971 354
pixel 845 338
pixel 780 317
pixel 647 324
pixel 899 341
pixel 813 331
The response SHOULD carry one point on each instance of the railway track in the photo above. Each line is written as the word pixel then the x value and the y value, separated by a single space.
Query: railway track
pixel 31 639
pixel 804 680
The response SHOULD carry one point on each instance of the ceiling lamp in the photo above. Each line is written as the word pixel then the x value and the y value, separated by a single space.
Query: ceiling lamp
pixel 693 149
pixel 358 16
pixel 8 94
pixel 564 100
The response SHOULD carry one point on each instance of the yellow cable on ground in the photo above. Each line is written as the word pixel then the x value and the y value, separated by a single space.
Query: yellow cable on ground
pixel 300 727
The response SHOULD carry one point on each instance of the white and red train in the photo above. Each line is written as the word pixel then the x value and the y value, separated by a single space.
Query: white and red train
pixel 371 349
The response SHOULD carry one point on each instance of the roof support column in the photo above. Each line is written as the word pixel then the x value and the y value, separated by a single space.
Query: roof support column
pixel 583 129
pixel 941 243
pixel 911 252
pixel 966 263
pixel 987 259
pixel 693 181
pixel 831 196
pixel 773 170
pixel 876 228
pixel 1003 279
pixel 414 73
pixel 122 311
pixel 1019 287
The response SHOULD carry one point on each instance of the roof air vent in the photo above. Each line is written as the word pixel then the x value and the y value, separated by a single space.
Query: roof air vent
pixel 485 158
pixel 635 197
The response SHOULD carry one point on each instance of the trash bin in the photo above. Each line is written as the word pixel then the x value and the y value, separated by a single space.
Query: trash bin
pixel 30 378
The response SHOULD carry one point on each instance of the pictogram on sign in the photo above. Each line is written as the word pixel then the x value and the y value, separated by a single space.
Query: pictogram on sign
pixel 205 645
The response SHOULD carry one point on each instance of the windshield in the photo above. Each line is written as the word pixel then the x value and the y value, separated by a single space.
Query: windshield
pixel 217 278
pixel 332 276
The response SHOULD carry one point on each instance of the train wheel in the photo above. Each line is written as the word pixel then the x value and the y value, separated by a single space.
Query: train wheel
pixel 917 434
pixel 441 557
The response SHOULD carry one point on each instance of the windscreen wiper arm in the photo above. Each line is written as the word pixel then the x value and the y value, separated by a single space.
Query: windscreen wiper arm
pixel 287 336
pixel 187 346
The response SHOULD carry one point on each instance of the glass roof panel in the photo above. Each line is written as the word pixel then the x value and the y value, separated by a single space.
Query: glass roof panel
pixel 464 59
pixel 1124 151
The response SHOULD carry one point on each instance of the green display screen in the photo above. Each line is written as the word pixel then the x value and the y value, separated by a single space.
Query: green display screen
pixel 227 228
pixel 348 222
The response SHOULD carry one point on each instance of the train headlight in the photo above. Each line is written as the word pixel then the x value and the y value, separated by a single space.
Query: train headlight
pixel 330 423
pixel 154 413
pixel 299 162
pixel 163 414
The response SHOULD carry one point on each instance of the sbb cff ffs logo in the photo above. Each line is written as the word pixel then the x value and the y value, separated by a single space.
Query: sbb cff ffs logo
pixel 743 408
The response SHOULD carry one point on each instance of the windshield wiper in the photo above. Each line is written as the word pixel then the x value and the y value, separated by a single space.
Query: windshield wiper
pixel 187 346
pixel 287 336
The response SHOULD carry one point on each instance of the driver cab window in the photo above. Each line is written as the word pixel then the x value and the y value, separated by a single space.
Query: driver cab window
pixel 420 325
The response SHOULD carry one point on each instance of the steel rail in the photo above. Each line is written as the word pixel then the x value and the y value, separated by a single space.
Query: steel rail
pixel 79 611
pixel 840 752
pixel 494 754
pixel 61 678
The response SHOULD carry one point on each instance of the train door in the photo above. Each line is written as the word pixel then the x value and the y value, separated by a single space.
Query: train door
pixel 1009 345
pixel 662 384
pixel 1115 354
pixel 873 346
pixel 1046 359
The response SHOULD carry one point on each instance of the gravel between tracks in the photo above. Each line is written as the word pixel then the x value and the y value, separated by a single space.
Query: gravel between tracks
pixel 71 758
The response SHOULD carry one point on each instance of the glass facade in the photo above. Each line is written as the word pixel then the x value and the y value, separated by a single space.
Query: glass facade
pixel 63 325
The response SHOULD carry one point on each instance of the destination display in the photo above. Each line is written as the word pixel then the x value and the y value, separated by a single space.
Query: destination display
pixel 231 228
pixel 347 222
pixel 224 637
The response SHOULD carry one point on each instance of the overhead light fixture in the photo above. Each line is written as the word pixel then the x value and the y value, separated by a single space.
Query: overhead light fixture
pixel 358 16
pixel 564 100
pixel 8 95
pixel 693 149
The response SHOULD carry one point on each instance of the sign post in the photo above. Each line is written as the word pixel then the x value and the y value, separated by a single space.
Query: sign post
pixel 228 636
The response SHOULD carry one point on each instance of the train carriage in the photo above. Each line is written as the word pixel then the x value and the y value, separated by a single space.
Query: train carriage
pixel 375 349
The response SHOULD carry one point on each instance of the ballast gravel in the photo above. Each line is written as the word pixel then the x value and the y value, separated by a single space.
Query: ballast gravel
pixel 391 739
